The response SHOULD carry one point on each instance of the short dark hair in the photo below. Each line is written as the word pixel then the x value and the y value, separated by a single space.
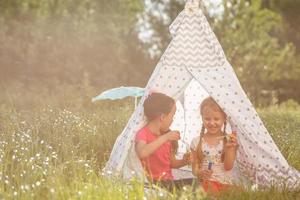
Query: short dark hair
pixel 157 104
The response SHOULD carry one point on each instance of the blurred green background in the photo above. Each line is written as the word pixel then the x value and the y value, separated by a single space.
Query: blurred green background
pixel 93 45
pixel 55 55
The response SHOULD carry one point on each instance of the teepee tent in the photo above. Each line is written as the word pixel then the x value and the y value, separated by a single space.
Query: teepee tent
pixel 193 67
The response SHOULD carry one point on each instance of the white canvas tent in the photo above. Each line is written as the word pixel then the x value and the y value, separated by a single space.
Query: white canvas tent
pixel 193 67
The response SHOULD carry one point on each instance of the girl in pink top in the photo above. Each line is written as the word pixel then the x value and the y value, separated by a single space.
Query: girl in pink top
pixel 154 141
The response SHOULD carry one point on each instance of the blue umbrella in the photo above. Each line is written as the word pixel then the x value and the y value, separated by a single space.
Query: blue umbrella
pixel 120 93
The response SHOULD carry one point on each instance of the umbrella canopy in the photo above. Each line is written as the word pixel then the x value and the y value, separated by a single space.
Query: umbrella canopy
pixel 120 93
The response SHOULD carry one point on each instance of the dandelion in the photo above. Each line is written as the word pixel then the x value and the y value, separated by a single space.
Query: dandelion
pixel 27 187
pixel 254 187
pixel 79 193
pixel 109 172
pixel 15 193
pixel 52 190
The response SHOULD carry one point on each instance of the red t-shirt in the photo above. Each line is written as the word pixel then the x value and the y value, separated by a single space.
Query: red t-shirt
pixel 158 164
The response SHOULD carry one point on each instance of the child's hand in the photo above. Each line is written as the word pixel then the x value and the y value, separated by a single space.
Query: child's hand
pixel 187 158
pixel 205 174
pixel 173 135
pixel 232 141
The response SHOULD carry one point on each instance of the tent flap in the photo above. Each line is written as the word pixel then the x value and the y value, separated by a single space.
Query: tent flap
pixel 193 67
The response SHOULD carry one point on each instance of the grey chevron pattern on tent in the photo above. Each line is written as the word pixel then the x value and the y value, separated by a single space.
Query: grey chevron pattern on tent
pixel 193 43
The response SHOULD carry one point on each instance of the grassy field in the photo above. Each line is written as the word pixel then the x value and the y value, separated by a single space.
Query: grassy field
pixel 54 145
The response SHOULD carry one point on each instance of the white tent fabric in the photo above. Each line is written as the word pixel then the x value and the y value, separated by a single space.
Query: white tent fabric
pixel 193 67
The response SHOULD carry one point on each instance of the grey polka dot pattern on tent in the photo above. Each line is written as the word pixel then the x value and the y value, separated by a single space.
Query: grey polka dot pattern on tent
pixel 193 67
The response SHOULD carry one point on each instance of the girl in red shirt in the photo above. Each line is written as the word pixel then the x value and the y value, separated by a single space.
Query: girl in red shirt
pixel 154 142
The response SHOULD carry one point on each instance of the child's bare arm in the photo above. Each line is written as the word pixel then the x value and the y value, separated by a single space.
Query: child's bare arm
pixel 144 150
pixel 179 163
pixel 195 163
pixel 230 153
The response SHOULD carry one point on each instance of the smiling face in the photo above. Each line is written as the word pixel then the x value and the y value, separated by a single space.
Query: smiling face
pixel 213 120
pixel 213 117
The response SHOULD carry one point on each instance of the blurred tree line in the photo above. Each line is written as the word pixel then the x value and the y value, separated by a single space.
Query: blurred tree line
pixel 56 42
pixel 261 39
pixel 105 43
pixel 256 41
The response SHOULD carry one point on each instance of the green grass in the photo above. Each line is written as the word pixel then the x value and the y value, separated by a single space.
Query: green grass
pixel 54 147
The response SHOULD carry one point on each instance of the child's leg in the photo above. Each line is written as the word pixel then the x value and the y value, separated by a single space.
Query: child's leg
pixel 214 187
pixel 165 184
pixel 177 184
pixel 180 183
